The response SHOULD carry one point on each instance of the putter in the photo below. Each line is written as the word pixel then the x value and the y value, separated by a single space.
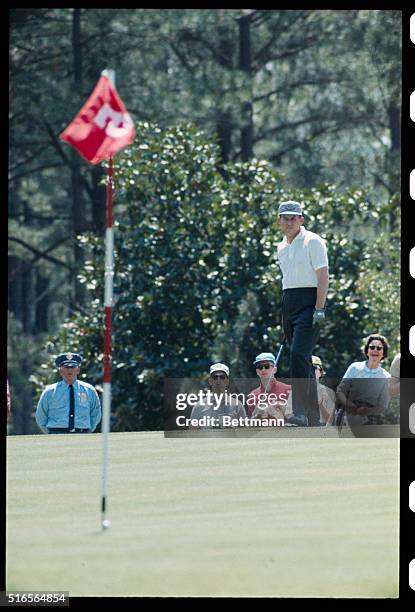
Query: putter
pixel 269 379
pixel 276 364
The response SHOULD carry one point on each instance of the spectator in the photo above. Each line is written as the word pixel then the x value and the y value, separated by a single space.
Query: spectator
pixel 326 396
pixel 218 403
pixel 71 405
pixel 363 393
pixel 271 398
pixel 395 379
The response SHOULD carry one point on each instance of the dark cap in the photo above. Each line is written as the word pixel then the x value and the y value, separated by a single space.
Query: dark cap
pixel 68 359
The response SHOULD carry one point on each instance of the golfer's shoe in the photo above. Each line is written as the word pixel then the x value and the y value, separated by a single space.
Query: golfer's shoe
pixel 299 420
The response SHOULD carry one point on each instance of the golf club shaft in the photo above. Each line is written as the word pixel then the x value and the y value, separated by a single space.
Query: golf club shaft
pixel 276 364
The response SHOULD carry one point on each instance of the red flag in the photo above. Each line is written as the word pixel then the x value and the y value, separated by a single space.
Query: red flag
pixel 102 127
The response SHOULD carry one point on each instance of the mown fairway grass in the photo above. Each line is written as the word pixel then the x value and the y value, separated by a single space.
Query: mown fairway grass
pixel 204 517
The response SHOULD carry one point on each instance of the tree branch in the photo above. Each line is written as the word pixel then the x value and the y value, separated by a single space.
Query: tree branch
pixel 298 84
pixel 182 59
pixel 43 254
pixel 38 169
pixel 324 130
pixel 288 126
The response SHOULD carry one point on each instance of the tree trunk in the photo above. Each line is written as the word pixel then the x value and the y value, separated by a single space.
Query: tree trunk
pixel 224 121
pixel 15 287
pixel 77 50
pixel 42 303
pixel 247 131
pixel 78 205
pixel 224 131
pixel 394 156
pixel 28 296
pixel 28 284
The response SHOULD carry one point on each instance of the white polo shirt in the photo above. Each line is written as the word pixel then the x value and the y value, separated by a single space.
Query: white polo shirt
pixel 300 259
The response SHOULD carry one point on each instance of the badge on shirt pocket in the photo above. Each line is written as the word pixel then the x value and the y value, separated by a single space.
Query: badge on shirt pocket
pixel 83 398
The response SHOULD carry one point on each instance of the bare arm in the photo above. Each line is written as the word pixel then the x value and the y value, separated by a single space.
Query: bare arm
pixel 322 287
pixel 394 386
pixel 327 405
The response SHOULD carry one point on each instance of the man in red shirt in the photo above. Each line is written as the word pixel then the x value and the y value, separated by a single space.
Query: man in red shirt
pixel 270 398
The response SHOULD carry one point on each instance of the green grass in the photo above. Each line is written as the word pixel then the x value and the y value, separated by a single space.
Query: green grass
pixel 204 517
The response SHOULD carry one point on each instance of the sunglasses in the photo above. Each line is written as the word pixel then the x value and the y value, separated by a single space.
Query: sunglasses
pixel 219 376
pixel 266 366
pixel 373 347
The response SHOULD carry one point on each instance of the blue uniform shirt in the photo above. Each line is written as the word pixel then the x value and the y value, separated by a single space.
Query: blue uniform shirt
pixel 53 407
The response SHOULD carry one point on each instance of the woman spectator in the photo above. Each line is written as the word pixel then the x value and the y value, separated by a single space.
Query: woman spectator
pixel 364 391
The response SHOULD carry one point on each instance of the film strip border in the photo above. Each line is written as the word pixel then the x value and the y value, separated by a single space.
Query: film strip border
pixel 407 442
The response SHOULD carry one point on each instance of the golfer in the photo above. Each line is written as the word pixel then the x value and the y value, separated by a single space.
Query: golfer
pixel 302 256
pixel 71 405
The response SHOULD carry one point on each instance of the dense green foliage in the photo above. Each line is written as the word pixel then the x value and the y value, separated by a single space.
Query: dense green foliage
pixel 196 277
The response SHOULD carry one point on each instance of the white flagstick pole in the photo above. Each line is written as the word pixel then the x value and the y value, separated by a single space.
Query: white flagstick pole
pixel 108 301
pixel 106 399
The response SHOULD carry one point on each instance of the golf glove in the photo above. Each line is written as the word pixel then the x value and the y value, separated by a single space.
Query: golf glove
pixel 318 316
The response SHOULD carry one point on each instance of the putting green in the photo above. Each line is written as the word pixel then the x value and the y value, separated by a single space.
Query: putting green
pixel 204 517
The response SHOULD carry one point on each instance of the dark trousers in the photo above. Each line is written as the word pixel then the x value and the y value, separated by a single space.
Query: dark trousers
pixel 301 336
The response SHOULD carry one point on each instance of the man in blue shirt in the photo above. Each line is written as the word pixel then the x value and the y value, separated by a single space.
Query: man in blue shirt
pixel 71 405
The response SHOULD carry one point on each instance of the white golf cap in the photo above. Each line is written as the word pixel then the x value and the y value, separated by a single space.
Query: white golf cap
pixel 290 208
pixel 219 367
pixel 265 357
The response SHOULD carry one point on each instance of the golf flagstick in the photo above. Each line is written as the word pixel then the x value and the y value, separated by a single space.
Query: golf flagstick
pixel 106 396
pixel 101 128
